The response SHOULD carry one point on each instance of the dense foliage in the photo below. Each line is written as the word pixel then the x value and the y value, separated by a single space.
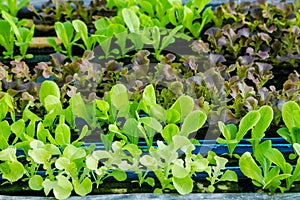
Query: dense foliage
pixel 116 76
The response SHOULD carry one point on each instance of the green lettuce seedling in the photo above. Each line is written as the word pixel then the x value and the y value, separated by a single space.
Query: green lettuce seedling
pixel 291 118
pixel 268 177
pixel 232 135
pixel 23 36
pixel 65 32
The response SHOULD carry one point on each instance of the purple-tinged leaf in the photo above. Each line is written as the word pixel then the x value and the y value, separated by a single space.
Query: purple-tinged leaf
pixel 244 32
pixel 265 37
pixel 251 103
pixel 113 66
pixel 263 54
pixel 250 51
pixel 216 58
pixel 199 45
pixel 222 41
pixel 58 60
pixel 264 68
pixel 246 60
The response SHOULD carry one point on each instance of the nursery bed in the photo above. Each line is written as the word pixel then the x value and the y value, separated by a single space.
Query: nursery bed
pixel 117 130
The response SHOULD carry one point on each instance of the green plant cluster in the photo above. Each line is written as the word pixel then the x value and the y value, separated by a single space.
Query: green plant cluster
pixel 48 110
pixel 48 144
pixel 14 34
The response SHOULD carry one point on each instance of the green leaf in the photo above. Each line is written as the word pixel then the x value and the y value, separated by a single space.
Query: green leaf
pixel 296 173
pixel 151 123
pixel 12 171
pixel 35 182
pixel 288 110
pixel 193 122
pixel 173 116
pixel 156 37
pixel 247 122
pixel 120 99
pixel 131 20
pixel 71 152
pixel 274 182
pixel 63 134
pixel 83 188
pixel 295 135
pixel 182 143
pixel 229 131
pixel 150 181
pixel 82 29
pixel 48 88
pixel 158 112
pixel 119 175
pixel 40 156
pixel 82 110
pixel 183 185
pixel 229 175
pixel 285 134
pixel 13 25
pixel 296 147
pixel 149 162
pixel 201 164
pixel 4 134
pixel 266 116
pixel 53 103
pixel 169 131
pixel 200 4
pixel 184 105
pixel 8 154
pixel 169 39
pixel 250 169
pixel 62 187
pixel 149 95
pixel 188 18
pixel 18 128
pixel 131 130
pixel 277 158
pixel 259 154
pixel 178 169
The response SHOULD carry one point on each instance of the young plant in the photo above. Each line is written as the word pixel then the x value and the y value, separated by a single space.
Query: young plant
pixel 115 162
pixel 7 39
pixel 105 32
pixel 258 131
pixel 65 32
pixel 291 118
pixel 189 16
pixel 10 168
pixel 216 173
pixel 23 36
pixel 268 176
pixel 180 112
pixel 81 28
pixel 232 135
pixel 169 169
pixel 160 43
